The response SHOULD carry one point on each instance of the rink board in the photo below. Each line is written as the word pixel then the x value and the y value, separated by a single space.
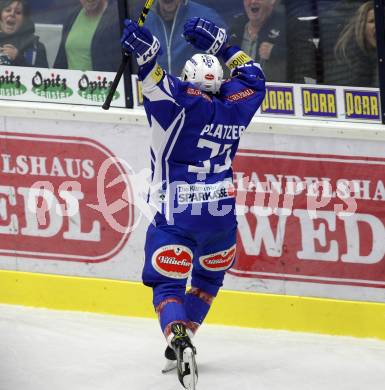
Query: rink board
pixel 70 178
pixel 233 308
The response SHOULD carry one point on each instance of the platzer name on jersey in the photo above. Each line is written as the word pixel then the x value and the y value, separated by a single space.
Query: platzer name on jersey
pixel 231 132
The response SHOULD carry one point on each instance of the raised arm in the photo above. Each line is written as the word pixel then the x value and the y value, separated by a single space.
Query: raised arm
pixel 246 74
pixel 159 89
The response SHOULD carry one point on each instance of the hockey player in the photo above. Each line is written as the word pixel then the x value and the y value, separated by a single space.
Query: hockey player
pixel 196 123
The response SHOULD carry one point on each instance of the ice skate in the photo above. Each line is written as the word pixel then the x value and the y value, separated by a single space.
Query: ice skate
pixel 170 356
pixel 185 356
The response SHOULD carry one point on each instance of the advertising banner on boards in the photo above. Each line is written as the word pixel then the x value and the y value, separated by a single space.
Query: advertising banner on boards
pixel 309 223
pixel 347 104
pixel 51 199
pixel 58 86
pixel 309 217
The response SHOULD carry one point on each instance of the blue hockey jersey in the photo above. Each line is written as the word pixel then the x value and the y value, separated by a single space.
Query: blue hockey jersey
pixel 195 136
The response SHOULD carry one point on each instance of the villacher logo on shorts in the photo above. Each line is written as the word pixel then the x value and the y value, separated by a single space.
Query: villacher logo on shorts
pixel 219 261
pixel 173 261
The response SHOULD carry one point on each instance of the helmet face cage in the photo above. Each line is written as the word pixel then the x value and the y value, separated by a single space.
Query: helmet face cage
pixel 204 71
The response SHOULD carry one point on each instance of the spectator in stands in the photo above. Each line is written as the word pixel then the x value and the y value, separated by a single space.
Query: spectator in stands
pixel 166 21
pixel 261 33
pixel 19 45
pixel 227 9
pixel 90 39
pixel 356 51
pixel 274 40
pixel 51 11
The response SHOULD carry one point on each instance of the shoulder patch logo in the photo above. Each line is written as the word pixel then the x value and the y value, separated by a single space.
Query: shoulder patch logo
pixel 244 94
pixel 193 91
pixel 197 92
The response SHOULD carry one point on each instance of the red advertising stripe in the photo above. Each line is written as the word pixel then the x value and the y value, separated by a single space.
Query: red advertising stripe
pixel 54 199
pixel 311 217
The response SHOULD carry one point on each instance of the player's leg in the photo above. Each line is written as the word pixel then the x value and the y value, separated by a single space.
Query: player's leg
pixel 168 263
pixel 211 261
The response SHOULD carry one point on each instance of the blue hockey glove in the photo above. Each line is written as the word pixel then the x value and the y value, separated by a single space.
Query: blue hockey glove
pixel 140 41
pixel 205 35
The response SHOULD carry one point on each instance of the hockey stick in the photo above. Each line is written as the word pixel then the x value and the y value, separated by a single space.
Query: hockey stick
pixel 123 64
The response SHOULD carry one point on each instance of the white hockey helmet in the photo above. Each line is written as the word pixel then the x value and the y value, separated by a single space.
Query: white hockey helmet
pixel 204 71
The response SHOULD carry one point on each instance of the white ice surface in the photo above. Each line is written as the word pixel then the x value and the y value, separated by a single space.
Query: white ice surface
pixel 50 350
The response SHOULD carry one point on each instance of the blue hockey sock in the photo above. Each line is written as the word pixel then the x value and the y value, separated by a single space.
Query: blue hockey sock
pixel 197 304
pixel 169 311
